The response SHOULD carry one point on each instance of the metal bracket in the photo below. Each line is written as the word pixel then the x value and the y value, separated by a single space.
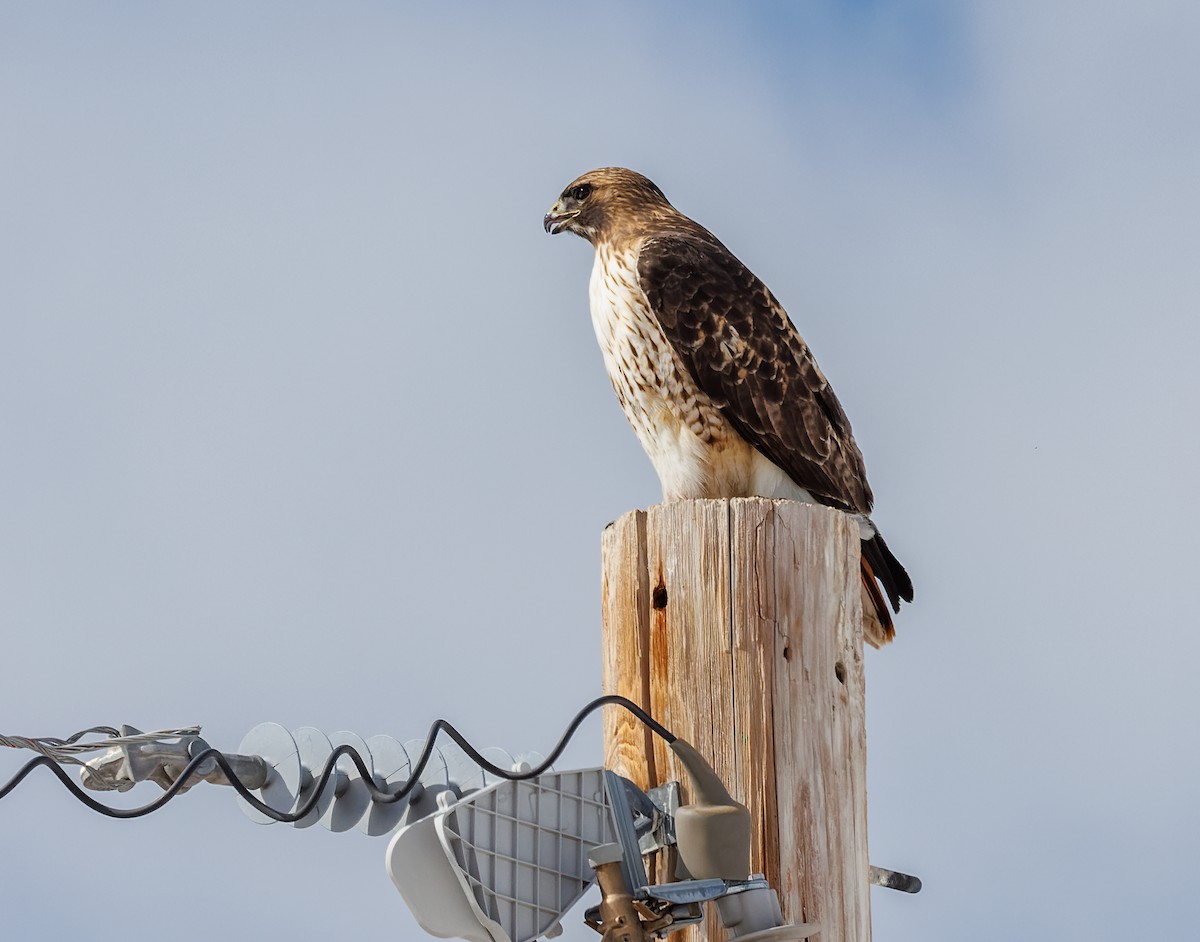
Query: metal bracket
pixel 455 809
pixel 121 767
pixel 895 880
pixel 660 833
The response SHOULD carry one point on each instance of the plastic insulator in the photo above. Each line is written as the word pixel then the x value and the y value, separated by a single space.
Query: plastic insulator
pixel 351 798
pixel 314 747
pixel 392 767
pixel 278 749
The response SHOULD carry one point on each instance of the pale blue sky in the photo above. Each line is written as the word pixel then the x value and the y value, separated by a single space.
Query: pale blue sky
pixel 304 420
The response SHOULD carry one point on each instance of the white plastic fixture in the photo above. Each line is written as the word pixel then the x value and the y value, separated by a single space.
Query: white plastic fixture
pixel 505 863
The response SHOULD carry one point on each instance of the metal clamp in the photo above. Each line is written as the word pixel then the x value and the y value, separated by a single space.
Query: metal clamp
pixel 121 767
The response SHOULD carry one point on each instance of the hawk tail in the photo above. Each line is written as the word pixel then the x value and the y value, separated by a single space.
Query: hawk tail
pixel 878 563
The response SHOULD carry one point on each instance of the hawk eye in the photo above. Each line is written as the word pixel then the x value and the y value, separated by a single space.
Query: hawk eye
pixel 581 192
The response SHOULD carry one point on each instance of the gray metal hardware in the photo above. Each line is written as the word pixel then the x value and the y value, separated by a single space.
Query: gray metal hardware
pixel 121 767
pixel 515 855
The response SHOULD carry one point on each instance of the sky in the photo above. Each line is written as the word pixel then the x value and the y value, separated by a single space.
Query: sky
pixel 304 421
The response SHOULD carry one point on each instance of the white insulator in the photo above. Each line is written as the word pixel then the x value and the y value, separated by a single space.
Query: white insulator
pixel 351 799
pixel 315 748
pixel 284 780
pixel 392 770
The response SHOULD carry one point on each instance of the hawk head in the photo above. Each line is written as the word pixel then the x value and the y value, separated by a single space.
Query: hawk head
pixel 604 205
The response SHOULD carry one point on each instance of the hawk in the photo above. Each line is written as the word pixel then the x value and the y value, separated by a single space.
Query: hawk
pixel 721 389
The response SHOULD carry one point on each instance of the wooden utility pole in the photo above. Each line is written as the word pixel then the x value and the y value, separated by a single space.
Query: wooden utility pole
pixel 738 624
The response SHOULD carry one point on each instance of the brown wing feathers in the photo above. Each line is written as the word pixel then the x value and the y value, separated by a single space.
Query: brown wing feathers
pixel 743 353
pixel 739 347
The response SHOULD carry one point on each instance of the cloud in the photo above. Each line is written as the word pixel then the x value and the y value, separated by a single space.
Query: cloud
pixel 305 421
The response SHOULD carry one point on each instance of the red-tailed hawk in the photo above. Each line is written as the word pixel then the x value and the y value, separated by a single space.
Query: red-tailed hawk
pixel 720 388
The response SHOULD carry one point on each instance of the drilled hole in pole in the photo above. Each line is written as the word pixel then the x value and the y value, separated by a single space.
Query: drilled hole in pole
pixel 659 597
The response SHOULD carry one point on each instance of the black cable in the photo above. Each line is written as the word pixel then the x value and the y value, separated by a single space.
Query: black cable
pixel 378 794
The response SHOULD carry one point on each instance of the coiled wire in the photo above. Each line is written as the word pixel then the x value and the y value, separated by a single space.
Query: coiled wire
pixel 378 795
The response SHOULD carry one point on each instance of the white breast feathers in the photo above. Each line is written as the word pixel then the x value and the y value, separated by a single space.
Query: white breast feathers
pixel 694 450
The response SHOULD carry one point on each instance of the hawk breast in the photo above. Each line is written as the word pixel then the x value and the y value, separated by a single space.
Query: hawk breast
pixel 695 451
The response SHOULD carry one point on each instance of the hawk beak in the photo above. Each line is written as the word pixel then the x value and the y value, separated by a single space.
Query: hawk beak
pixel 556 220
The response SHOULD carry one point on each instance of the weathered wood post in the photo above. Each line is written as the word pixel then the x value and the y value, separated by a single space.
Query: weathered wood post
pixel 738 624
